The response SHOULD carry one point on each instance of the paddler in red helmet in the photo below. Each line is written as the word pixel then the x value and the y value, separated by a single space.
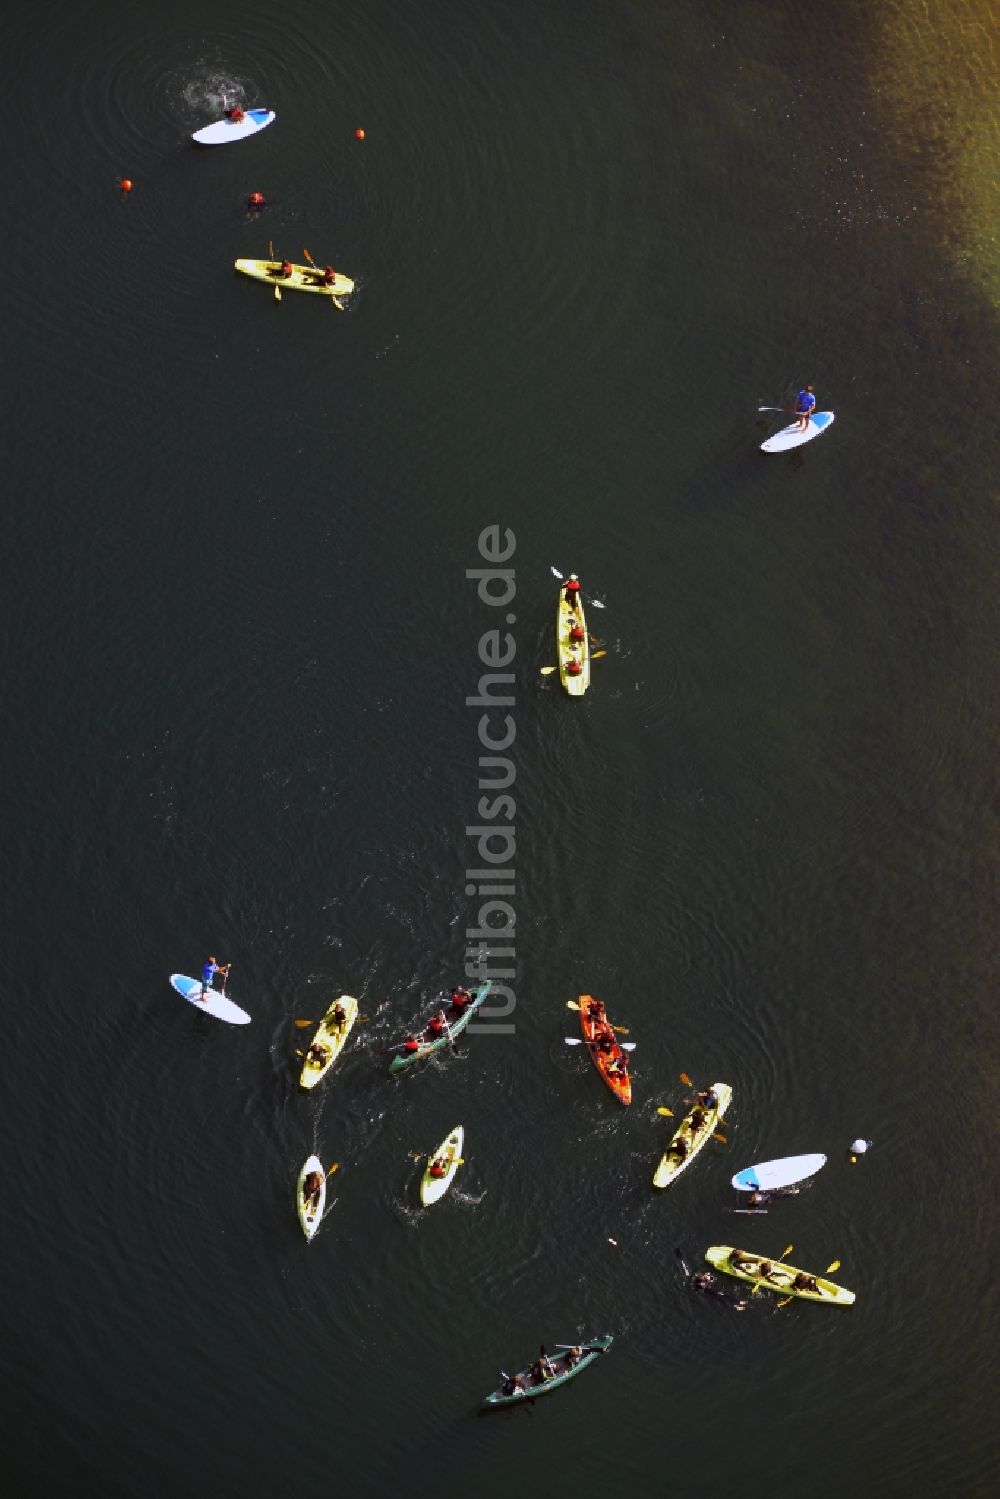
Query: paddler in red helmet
pixel 437 1025
pixel 572 594
pixel 460 998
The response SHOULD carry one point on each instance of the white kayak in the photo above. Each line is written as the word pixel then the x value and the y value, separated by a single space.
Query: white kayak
pixel 310 1210
pixel 794 436
pixel 226 130
pixel 448 1154
pixel 213 1003
pixel 784 1173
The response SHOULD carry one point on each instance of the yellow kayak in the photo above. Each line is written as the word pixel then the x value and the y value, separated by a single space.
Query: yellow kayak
pixel 780 1279
pixel 303 277
pixel 568 651
pixel 686 1141
pixel 330 1038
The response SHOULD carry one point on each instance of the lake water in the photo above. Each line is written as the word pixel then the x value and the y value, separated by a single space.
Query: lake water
pixel 589 241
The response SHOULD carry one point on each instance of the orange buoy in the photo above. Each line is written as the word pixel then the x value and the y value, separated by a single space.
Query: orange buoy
pixel 256 200
pixel 359 134
pixel 125 184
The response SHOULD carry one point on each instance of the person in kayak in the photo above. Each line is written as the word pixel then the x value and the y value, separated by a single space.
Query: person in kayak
pixel 339 1016
pixel 577 634
pixel 678 1148
pixel 283 272
pixel 311 1188
pixel 574 668
pixel 540 1370
pixel 512 1385
pixel 317 1054
pixel 805 405
pixel 438 1168
pixel 804 1282
pixel 437 1025
pixel 618 1068
pixel 208 973
pixel 595 1010
pixel 740 1261
pixel 606 1042
pixel 698 1117
pixel 460 998
pixel 572 593
pixel 235 114
pixel 707 1099
pixel 411 1044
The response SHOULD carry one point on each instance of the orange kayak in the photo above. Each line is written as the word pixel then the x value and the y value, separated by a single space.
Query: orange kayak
pixel 595 1025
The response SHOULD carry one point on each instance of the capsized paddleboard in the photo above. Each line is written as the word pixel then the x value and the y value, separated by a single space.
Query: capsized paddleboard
pixel 794 436
pixel 227 130
pixel 784 1173
pixel 213 1003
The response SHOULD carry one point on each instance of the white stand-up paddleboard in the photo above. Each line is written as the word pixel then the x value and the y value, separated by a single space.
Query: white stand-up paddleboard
pixel 794 436
pixel 224 131
pixel 213 1003
pixel 311 1212
pixel 784 1173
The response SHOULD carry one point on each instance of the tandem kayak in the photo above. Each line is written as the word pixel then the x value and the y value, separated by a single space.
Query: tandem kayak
pixel 332 1038
pixel 310 1210
pixel 223 131
pixel 212 1002
pixel 594 1023
pixel 430 1044
pixel 781 1278
pixel 432 1188
pixel 569 651
pixel 303 278
pixel 529 1384
pixel 694 1137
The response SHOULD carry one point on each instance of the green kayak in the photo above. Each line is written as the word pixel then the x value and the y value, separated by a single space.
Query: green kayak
pixel 530 1382
pixel 456 1026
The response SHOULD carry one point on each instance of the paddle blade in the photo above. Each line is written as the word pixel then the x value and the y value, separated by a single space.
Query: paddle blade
pixel 596 655
pixel 333 1168
pixel 629 1045
pixel 270 249
pixel 783 1302
pixel 303 1023
pixel 573 1040
pixel 308 256
pixel 555 572
pixel 571 1004
pixel 666 1113
pixel 277 293
pixel 685 1080
pixel 721 1139
pixel 547 671
pixel 787 1250
pixel 622 1030
pixel 830 1268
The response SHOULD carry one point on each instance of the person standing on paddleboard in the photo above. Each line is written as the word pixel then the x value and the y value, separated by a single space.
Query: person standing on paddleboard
pixel 208 973
pixel 805 405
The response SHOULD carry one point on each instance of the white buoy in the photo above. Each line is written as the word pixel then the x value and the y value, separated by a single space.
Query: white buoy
pixel 860 1146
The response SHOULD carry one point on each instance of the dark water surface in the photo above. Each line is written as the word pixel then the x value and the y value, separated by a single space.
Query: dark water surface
pixel 589 241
